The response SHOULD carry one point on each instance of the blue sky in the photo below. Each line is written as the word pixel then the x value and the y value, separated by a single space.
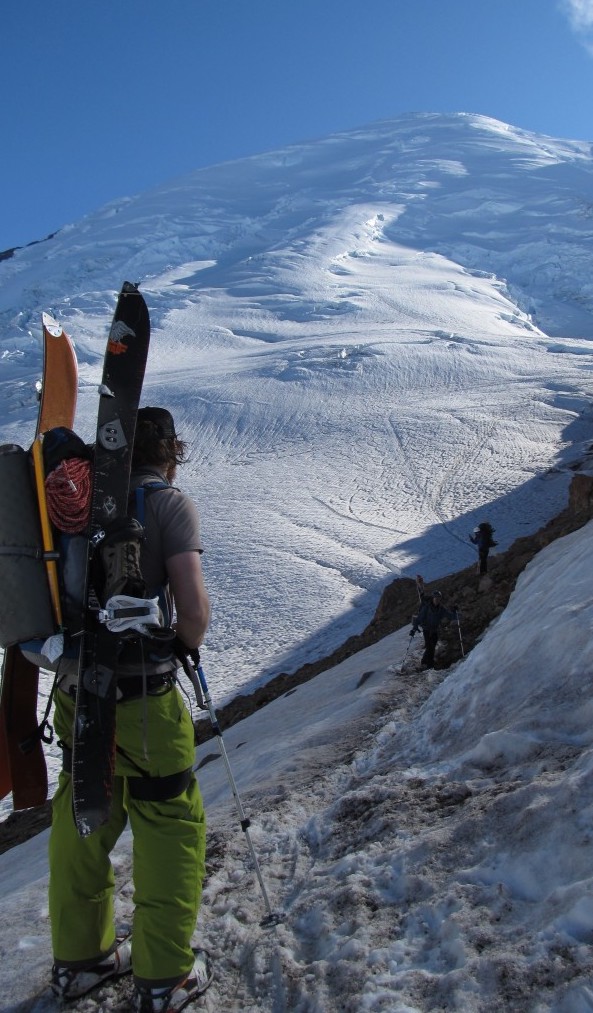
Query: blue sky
pixel 108 98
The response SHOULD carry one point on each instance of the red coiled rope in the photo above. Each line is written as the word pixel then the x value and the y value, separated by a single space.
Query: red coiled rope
pixel 68 489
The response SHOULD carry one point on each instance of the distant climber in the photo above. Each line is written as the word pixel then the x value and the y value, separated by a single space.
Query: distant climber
pixel 482 538
pixel 429 618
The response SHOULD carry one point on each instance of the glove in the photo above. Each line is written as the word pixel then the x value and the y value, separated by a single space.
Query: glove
pixel 412 632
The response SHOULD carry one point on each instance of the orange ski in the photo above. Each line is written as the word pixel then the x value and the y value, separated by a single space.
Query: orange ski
pixel 60 378
pixel 25 772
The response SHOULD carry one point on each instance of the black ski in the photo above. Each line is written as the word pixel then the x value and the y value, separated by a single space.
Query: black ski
pixel 93 758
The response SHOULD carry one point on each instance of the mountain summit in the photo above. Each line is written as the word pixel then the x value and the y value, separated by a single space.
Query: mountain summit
pixel 370 341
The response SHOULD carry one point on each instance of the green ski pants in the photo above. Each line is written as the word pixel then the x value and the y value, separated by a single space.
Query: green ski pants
pixel 169 838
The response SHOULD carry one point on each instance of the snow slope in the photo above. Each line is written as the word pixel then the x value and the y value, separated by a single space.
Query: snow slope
pixel 369 342
pixel 426 839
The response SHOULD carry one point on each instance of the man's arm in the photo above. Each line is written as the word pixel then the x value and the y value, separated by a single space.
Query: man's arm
pixel 192 604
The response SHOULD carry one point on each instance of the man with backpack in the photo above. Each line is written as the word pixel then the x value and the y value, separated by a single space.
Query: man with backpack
pixel 482 538
pixel 430 616
pixel 154 785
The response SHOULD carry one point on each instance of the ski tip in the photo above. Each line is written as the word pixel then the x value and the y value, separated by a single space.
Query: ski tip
pixel 51 326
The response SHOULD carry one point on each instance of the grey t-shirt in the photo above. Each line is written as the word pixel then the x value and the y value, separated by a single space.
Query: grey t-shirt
pixel 171 525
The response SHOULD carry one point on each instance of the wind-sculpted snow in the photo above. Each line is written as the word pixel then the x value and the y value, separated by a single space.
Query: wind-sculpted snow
pixel 369 342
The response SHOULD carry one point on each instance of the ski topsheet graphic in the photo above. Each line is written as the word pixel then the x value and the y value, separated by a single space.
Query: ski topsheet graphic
pixel 23 770
pixel 94 727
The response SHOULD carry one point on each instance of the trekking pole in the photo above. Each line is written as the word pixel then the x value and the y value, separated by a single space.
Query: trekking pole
pixel 460 637
pixel 403 661
pixel 190 659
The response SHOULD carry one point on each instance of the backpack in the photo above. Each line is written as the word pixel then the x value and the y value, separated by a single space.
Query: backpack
pixel 46 533
pixel 25 604
pixel 44 514
pixel 137 509
pixel 45 499
pixel 487 531
pixel 31 552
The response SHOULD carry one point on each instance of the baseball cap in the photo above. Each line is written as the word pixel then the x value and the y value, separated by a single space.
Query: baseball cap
pixel 161 418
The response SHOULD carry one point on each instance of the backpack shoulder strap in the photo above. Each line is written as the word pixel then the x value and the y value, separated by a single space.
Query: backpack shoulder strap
pixel 139 496
pixel 138 505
